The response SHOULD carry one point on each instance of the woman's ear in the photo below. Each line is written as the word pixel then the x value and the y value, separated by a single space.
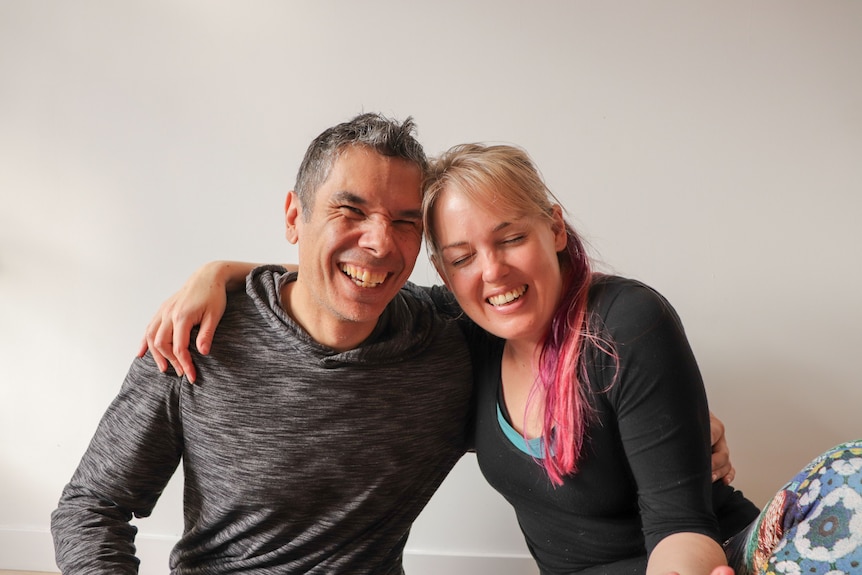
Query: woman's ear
pixel 558 226
pixel 292 216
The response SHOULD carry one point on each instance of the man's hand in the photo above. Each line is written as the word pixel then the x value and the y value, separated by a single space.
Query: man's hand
pixel 722 468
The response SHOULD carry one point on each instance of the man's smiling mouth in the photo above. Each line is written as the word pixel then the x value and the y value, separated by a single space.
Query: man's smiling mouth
pixel 508 297
pixel 363 278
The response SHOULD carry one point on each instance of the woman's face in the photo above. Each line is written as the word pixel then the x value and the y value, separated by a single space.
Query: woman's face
pixel 502 268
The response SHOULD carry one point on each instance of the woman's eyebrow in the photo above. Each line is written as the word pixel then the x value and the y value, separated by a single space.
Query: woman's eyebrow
pixel 459 244
pixel 454 245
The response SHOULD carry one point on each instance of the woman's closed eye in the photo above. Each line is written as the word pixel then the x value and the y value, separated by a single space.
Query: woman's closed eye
pixel 515 239
pixel 460 260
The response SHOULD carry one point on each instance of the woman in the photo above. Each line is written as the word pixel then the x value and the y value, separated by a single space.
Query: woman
pixel 591 416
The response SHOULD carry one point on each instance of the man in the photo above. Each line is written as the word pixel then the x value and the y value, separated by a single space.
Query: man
pixel 331 405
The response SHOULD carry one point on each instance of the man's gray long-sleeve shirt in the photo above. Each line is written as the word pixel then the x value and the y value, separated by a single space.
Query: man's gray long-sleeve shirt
pixel 297 458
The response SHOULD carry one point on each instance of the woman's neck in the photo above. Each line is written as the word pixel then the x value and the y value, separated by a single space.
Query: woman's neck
pixel 522 353
pixel 519 371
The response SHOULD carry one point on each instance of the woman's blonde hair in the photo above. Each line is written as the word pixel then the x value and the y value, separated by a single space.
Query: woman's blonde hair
pixel 501 177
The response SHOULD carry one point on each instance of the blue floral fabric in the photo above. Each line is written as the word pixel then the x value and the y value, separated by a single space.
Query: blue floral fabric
pixel 813 526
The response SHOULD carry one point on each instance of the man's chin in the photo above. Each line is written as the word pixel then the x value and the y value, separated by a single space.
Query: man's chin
pixel 363 310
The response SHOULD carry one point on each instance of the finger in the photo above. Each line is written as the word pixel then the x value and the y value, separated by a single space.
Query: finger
pixel 716 429
pixel 178 367
pixel 182 330
pixel 149 344
pixel 206 333
pixel 720 454
pixel 143 347
pixel 721 465
pixel 160 360
pixel 185 359
pixel 163 344
pixel 729 476
pixel 720 471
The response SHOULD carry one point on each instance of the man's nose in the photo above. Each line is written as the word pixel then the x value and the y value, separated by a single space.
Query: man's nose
pixel 377 236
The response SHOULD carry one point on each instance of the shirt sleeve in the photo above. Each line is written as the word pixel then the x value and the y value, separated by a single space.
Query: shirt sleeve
pixel 134 452
pixel 662 414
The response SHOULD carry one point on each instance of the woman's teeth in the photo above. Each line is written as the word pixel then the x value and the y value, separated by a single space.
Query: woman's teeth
pixel 510 296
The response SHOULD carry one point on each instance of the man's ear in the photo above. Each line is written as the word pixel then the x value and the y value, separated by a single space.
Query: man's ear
pixel 292 216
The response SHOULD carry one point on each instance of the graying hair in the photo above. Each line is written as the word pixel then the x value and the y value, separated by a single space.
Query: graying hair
pixel 383 135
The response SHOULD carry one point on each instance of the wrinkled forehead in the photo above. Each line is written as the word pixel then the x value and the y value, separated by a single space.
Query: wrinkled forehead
pixel 316 172
pixel 364 176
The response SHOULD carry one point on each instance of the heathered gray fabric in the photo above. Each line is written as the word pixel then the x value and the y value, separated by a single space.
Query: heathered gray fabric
pixel 297 459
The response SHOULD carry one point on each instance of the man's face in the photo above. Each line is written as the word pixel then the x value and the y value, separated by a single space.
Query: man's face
pixel 357 245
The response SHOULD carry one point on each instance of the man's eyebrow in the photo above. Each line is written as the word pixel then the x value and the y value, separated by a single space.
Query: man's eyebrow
pixel 410 214
pixel 348 198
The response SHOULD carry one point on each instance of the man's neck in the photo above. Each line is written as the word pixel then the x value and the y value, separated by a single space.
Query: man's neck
pixel 340 335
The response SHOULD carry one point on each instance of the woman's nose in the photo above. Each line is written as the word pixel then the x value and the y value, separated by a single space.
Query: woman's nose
pixel 494 267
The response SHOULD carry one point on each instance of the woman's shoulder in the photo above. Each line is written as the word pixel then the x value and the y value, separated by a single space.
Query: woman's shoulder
pixel 612 291
pixel 626 305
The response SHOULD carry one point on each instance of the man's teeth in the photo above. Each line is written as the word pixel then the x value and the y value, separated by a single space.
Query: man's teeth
pixel 507 297
pixel 363 278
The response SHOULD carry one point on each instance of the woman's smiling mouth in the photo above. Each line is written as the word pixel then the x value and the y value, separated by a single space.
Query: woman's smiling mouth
pixel 508 297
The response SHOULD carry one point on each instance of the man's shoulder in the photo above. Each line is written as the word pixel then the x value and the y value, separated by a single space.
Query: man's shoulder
pixel 440 299
pixel 412 290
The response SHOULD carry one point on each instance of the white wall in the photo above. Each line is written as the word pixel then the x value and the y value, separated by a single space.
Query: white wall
pixel 712 149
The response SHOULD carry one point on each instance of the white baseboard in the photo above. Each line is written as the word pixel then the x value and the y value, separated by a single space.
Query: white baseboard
pixel 34 551
pixel 26 550
pixel 416 563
